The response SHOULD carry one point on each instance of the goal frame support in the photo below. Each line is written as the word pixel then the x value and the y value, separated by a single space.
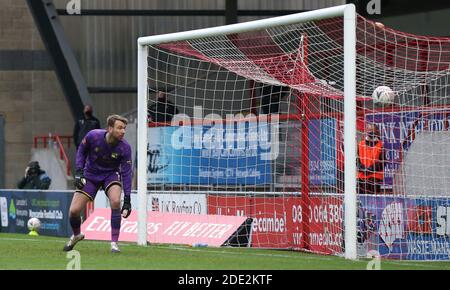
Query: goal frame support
pixel 142 126
pixel 348 12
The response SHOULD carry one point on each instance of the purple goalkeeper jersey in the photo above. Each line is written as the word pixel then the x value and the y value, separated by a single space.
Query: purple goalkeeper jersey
pixel 99 159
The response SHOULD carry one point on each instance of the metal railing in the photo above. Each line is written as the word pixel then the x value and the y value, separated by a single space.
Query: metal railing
pixel 58 141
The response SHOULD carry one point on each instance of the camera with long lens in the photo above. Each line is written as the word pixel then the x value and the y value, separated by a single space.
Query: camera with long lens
pixel 33 171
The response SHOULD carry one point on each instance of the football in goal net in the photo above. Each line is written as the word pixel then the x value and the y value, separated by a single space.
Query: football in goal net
pixel 327 130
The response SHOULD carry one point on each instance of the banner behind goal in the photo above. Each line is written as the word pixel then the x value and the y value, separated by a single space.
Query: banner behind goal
pixel 262 118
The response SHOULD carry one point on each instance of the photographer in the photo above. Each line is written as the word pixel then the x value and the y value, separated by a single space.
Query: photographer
pixel 34 178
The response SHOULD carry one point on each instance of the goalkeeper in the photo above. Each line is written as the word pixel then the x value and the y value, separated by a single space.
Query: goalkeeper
pixel 103 161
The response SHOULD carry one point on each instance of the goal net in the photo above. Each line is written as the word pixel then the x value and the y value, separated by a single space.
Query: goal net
pixel 249 120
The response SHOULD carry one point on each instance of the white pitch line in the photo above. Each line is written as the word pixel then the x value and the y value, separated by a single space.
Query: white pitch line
pixel 421 264
pixel 31 240
pixel 247 253
pixel 56 241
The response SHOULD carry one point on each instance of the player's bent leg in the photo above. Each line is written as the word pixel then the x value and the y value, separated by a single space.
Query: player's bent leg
pixel 79 202
pixel 114 193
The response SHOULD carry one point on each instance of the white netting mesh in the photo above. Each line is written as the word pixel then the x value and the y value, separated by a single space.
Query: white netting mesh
pixel 286 171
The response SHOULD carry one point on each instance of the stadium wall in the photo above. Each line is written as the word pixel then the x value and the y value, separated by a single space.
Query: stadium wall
pixel 31 100
pixel 431 23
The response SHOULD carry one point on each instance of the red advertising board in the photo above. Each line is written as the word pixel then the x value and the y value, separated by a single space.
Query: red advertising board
pixel 294 223
pixel 269 217
pixel 269 225
pixel 277 221
pixel 326 224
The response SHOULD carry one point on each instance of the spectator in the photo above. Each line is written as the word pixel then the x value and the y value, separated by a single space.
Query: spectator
pixel 83 126
pixel 162 110
pixel 35 178
pixel 370 162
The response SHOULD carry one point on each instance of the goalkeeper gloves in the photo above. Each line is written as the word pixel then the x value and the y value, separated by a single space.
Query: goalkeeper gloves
pixel 80 181
pixel 126 208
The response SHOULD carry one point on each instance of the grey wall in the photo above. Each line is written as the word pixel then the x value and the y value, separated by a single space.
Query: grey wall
pixel 433 23
pixel 427 165
pixel 54 167
pixel 31 100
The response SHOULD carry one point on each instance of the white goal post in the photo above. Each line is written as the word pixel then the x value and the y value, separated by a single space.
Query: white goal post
pixel 349 16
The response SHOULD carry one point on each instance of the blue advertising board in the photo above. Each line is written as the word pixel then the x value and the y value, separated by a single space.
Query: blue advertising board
pixel 322 151
pixel 51 208
pixel 226 155
pixel 406 228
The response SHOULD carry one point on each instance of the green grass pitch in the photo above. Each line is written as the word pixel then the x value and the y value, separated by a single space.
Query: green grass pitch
pixel 20 251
